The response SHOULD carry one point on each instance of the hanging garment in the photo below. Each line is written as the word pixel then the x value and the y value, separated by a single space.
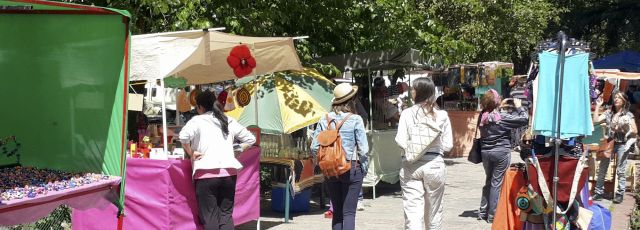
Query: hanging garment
pixel 483 76
pixel 462 76
pixel 576 107
pixel 518 92
pixel 222 98
pixel 507 212
pixel 183 103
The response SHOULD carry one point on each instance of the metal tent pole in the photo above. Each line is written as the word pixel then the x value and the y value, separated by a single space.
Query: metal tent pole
pixel 370 100
pixel 164 118
pixel 370 87
pixel 562 40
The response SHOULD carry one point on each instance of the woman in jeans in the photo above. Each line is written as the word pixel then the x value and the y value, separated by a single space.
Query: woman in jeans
pixel 623 131
pixel 496 126
pixel 208 140
pixel 344 189
pixel 423 181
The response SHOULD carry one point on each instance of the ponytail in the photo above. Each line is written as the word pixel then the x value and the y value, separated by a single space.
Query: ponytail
pixel 224 120
pixel 208 101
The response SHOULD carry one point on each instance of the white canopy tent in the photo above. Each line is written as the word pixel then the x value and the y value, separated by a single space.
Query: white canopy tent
pixel 200 56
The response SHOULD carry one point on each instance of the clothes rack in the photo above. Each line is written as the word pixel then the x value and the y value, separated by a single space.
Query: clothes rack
pixel 561 45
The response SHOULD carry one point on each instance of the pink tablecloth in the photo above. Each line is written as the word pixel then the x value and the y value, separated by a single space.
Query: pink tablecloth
pixel 28 210
pixel 159 194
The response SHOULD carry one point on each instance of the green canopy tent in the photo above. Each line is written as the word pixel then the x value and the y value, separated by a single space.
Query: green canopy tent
pixel 64 85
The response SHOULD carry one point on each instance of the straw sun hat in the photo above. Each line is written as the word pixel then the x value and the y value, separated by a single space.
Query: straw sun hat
pixel 343 92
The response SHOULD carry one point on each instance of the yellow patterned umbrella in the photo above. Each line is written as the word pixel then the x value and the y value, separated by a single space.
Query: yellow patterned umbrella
pixel 287 101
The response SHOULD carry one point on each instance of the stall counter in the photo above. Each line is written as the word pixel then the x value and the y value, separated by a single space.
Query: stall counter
pixel 159 194
pixel 463 125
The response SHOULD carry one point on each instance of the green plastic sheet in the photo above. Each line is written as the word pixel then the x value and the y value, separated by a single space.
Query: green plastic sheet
pixel 63 87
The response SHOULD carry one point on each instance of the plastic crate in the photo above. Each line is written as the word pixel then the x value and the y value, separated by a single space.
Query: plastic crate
pixel 297 203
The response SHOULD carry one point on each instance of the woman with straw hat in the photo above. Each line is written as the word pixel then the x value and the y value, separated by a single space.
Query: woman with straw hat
pixel 344 189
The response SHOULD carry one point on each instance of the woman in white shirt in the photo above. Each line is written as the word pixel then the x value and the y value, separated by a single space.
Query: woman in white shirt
pixel 423 181
pixel 208 139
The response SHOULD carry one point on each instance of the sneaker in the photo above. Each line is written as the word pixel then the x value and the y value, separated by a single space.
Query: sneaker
pixel 360 205
pixel 617 199
pixel 328 214
pixel 597 196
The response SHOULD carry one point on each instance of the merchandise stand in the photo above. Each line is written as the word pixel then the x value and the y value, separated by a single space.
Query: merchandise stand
pixel 562 45
pixel 77 58
pixel 562 40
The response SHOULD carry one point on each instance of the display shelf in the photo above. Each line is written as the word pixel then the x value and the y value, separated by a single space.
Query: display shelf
pixel 26 210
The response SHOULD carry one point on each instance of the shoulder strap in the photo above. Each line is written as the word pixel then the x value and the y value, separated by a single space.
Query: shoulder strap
pixel 574 185
pixel 343 120
pixel 329 121
pixel 475 134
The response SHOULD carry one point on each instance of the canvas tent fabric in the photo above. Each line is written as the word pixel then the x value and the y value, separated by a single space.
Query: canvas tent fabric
pixel 66 69
pixel 386 59
pixel 616 74
pixel 626 61
pixel 201 56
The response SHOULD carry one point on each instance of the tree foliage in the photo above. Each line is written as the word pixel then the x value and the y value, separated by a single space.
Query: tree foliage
pixel 609 25
pixel 446 31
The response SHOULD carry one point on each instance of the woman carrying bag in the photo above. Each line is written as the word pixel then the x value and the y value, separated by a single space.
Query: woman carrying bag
pixel 344 179
pixel 622 131
pixel 495 146
pixel 422 176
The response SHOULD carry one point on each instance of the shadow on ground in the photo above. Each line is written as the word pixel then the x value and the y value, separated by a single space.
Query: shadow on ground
pixel 469 214
pixel 450 162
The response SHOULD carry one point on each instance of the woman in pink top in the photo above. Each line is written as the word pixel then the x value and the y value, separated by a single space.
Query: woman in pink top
pixel 208 139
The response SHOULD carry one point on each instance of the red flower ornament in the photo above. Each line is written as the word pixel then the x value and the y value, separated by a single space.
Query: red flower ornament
pixel 241 61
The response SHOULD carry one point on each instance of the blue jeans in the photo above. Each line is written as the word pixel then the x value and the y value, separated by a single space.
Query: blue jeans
pixel 344 192
pixel 495 166
pixel 621 169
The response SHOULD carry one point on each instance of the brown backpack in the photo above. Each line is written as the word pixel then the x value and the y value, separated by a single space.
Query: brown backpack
pixel 331 156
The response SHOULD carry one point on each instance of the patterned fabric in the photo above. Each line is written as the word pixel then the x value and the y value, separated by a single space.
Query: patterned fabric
pixel 492 116
pixel 622 120
pixel 519 93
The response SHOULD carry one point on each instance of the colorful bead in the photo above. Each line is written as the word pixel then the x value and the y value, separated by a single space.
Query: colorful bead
pixel 18 182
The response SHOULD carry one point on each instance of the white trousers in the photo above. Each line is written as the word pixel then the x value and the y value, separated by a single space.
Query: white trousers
pixel 422 190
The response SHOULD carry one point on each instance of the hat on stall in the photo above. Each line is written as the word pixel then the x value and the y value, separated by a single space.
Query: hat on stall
pixel 343 92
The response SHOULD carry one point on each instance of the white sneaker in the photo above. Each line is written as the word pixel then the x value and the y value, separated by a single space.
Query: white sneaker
pixel 360 205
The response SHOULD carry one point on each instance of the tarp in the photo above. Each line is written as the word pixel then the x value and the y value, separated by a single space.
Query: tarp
pixel 201 56
pixel 387 59
pixel 161 195
pixel 626 61
pixel 64 84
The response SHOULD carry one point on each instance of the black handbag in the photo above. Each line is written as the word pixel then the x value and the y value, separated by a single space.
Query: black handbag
pixel 475 155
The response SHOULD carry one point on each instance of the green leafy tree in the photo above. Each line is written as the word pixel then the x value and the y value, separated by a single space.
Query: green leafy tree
pixel 446 31
pixel 609 25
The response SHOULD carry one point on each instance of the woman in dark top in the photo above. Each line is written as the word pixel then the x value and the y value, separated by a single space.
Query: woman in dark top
pixel 495 135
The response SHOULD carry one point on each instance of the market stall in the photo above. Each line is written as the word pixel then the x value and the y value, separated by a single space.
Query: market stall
pixel 161 189
pixel 195 57
pixel 620 81
pixel 462 87
pixel 65 144
pixel 550 189
pixel 286 103
pixel 384 84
